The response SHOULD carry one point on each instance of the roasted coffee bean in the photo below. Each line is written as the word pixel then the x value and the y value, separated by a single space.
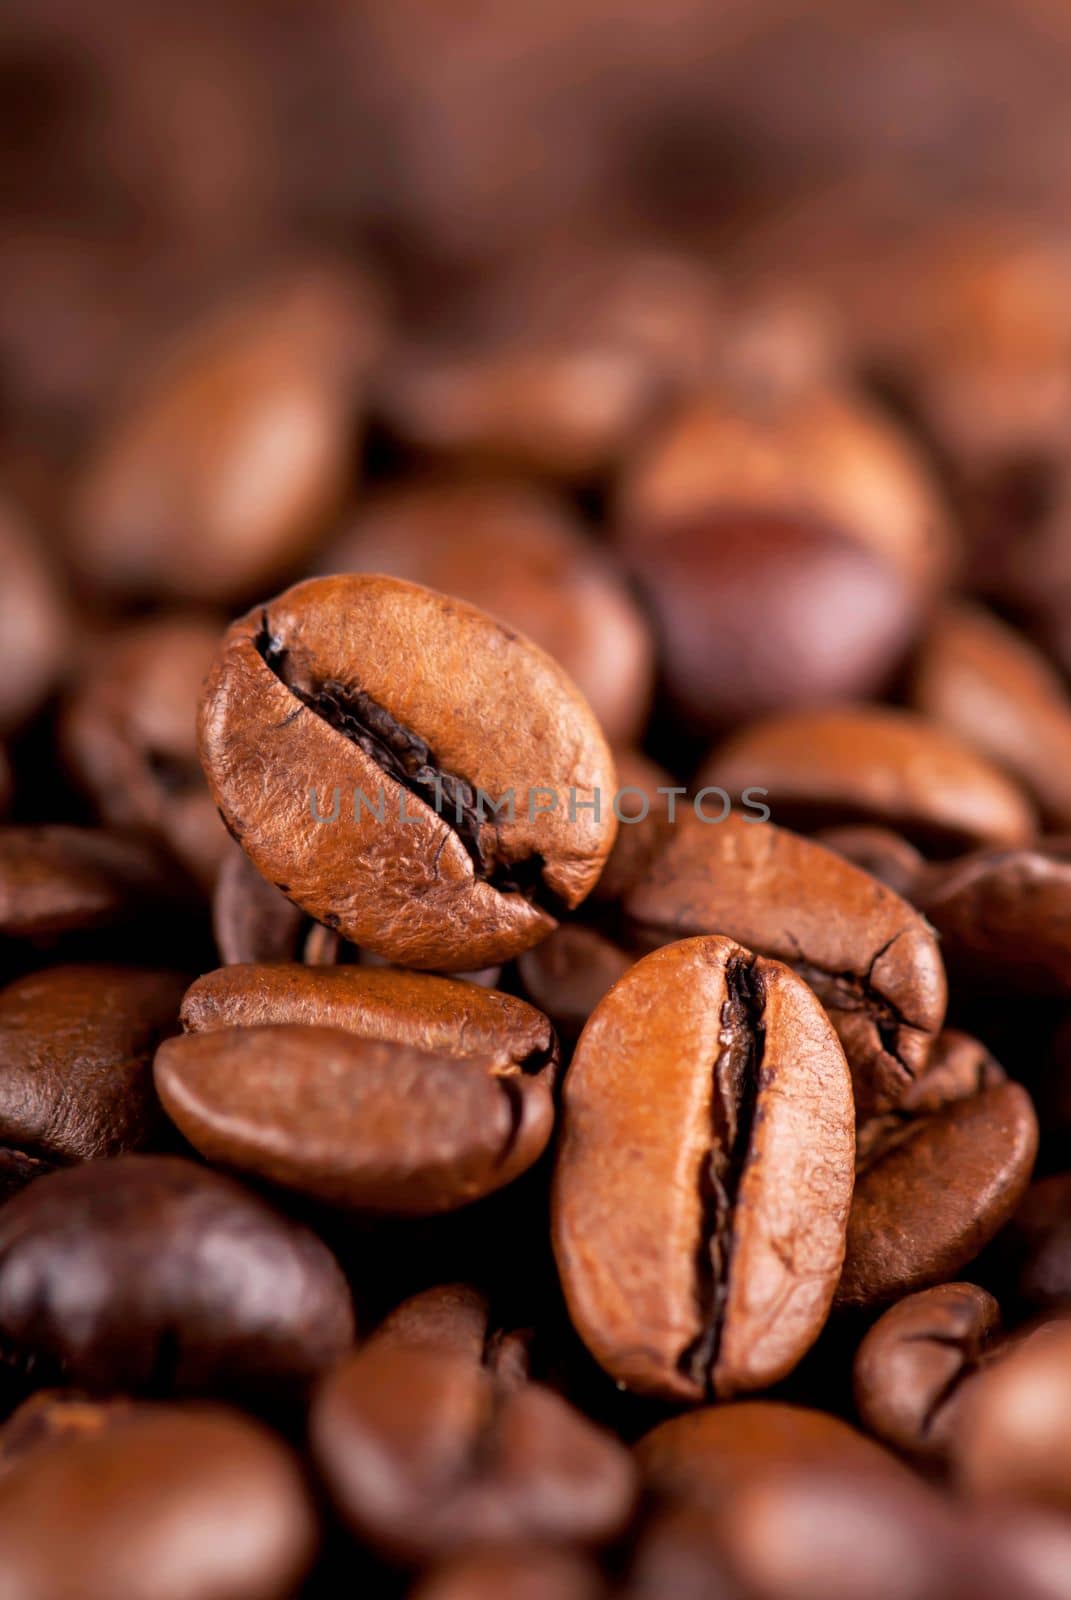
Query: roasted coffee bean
pixel 568 973
pixel 914 1368
pixel 870 958
pixel 148 1273
pixel 33 623
pixel 425 1453
pixel 642 807
pixel 878 765
pixel 1004 916
pixel 298 701
pixel 252 922
pixel 76 1049
pixel 224 470
pixel 1012 1439
pixel 705 1456
pixel 170 1503
pixel 933 1187
pixel 1032 1257
pixel 455 1318
pixel 52 1417
pixel 705 1172
pixel 519 556
pixel 722 585
pixel 987 684
pixel 523 1571
pixel 809 453
pixel 130 736
pixel 57 881
pixel 679 1553
pixel 410 1008
pixel 886 855
pixel 360 1122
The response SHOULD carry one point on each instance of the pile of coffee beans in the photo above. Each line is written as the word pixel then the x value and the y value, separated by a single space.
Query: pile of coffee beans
pixel 535 933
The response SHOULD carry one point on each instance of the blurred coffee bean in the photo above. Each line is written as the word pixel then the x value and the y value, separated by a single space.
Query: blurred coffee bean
pixel 642 807
pixel 986 683
pixel 167 1503
pixel 724 584
pixel 33 622
pixel 455 1318
pixel 1012 1441
pixel 874 764
pixel 886 855
pixel 129 734
pixel 679 1553
pixel 869 957
pixel 568 974
pixel 1032 1258
pixel 704 1173
pixel 236 449
pixel 148 1273
pixel 252 921
pixel 523 1571
pixel 76 1049
pixel 519 555
pixel 424 1453
pixel 367 1123
pixel 52 1417
pixel 913 1369
pixel 317 690
pixel 58 881
pixel 933 1187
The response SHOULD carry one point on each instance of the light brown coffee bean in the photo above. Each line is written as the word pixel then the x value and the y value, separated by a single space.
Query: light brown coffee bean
pixel 357 1122
pixel 1012 1443
pixel 375 687
pixel 874 764
pixel 871 959
pixel 704 1173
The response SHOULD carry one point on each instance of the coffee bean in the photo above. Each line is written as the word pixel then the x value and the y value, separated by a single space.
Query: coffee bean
pixel 129 734
pixel 704 1173
pixel 523 1571
pixel 220 475
pixel 298 702
pixel 877 765
pixel 985 683
pixel 251 921
pixel 886 855
pixel 76 1049
pixel 872 960
pixel 1012 1442
pixel 568 973
pixel 679 1553
pixel 933 1188
pixel 642 807
pixel 57 881
pixel 358 1122
pixel 424 1453
pixel 6 784
pixel 194 1503
pixel 455 1318
pixel 52 1417
pixel 518 555
pixel 148 1273
pixel 410 1008
pixel 1032 1257
pixel 33 622
pixel 914 1368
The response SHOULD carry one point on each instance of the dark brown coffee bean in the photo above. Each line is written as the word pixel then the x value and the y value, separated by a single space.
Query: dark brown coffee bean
pixel 33 623
pixel 975 676
pixel 720 586
pixel 194 1503
pixel 878 765
pixel 933 1188
pixel 455 1318
pixel 886 855
pixel 1032 1257
pixel 518 555
pixel 914 1368
pixel 375 687
pixel 705 1456
pixel 1012 1441
pixel 251 920
pixel 642 808
pixel 1004 916
pixel 226 467
pixel 57 880
pixel 705 1172
pixel 358 1122
pixel 522 1571
pixel 149 1273
pixel 425 1453
pixel 800 452
pixel 129 734
pixel 76 1049
pixel 679 1553
pixel 568 973
pixel 871 959
pixel 411 1008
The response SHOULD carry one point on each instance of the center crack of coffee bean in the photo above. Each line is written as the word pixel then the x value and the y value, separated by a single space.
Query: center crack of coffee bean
pixel 734 1095
pixel 409 760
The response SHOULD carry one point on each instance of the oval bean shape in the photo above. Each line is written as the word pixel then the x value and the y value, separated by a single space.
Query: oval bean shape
pixel 705 1172
pixel 149 1273
pixel 412 1008
pixel 874 764
pixel 868 955
pixel 167 1503
pixel 372 686
pixel 366 1123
